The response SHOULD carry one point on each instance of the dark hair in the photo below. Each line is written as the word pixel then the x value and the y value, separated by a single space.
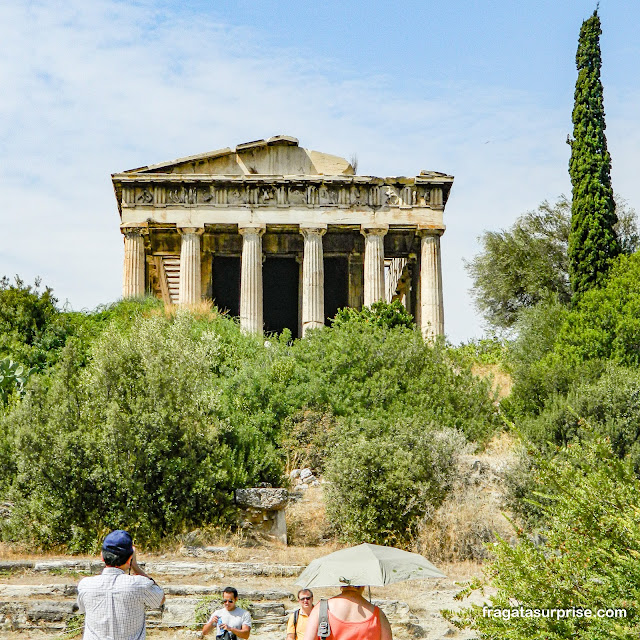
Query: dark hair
pixel 114 559
pixel 305 591
pixel 232 591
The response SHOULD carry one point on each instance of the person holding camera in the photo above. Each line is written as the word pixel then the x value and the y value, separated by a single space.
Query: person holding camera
pixel 114 602
pixel 231 621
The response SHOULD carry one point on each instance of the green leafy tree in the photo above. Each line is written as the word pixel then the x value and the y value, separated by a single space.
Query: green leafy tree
pixel 13 377
pixel 557 347
pixel 33 330
pixel 526 264
pixel 593 242
pixel 587 557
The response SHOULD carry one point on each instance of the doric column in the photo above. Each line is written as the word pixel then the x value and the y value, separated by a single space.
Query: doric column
pixel 312 278
pixel 251 278
pixel 373 263
pixel 431 302
pixel 134 262
pixel 190 290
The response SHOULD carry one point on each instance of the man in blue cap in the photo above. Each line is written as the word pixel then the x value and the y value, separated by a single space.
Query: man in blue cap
pixel 114 602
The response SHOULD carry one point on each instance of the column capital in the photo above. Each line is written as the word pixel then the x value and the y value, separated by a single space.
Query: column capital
pixel 429 231
pixel 250 229
pixel 374 229
pixel 190 229
pixel 312 229
pixel 134 230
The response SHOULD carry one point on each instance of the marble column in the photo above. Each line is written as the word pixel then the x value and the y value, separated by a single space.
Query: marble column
pixel 373 264
pixel 431 302
pixel 190 291
pixel 133 285
pixel 312 278
pixel 251 279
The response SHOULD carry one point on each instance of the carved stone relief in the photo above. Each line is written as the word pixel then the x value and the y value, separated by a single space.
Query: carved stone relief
pixel 310 195
pixel 297 196
pixel 175 195
pixel 391 196
pixel 144 196
pixel 236 196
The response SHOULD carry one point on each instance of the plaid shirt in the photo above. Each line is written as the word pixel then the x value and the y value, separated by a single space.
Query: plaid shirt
pixel 114 604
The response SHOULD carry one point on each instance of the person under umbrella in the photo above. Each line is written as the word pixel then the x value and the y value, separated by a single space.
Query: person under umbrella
pixel 351 617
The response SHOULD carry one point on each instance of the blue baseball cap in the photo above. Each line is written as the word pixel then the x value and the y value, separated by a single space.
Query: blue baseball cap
pixel 118 542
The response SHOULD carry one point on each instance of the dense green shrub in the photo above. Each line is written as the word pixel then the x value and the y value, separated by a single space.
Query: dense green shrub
pixel 384 478
pixel 610 405
pixel 359 369
pixel 606 323
pixel 131 440
pixel 587 557
pixel 388 315
pixel 307 439
pixel 533 376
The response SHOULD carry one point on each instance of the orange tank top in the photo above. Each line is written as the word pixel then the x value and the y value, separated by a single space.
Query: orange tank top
pixel 368 629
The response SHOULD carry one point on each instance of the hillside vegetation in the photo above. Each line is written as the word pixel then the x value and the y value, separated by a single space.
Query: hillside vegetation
pixel 146 419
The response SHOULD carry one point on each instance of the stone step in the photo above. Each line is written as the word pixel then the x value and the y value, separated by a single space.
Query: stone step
pixel 162 567
pixel 66 590
pixel 222 569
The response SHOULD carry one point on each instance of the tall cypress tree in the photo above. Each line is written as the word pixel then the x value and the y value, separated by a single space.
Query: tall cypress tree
pixel 592 242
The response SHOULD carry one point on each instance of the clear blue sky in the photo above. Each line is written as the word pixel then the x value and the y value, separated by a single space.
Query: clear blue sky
pixel 481 90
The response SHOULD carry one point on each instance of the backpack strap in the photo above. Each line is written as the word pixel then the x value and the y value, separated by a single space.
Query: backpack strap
pixel 296 615
pixel 324 630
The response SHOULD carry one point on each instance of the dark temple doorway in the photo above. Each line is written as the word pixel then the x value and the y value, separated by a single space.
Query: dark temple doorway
pixel 280 280
pixel 336 286
pixel 226 284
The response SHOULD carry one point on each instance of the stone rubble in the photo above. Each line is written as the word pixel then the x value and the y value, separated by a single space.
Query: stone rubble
pixel 301 478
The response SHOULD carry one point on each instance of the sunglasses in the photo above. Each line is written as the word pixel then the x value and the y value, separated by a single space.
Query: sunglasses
pixel 229 601
pixel 305 598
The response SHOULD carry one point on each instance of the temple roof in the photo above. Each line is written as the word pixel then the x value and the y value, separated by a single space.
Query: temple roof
pixel 278 155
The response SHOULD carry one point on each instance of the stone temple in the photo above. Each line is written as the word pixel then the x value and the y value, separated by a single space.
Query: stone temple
pixel 282 236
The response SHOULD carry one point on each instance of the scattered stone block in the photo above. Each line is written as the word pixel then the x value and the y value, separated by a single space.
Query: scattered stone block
pixel 263 511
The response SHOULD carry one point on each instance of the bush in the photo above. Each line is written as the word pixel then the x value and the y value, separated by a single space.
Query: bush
pixel 387 315
pixel 132 440
pixel 359 369
pixel 382 483
pixel 606 322
pixel 588 557
pixel 535 379
pixel 610 405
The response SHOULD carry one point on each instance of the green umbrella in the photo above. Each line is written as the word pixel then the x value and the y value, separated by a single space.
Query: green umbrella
pixel 367 564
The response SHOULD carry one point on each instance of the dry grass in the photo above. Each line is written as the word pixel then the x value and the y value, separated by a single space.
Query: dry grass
pixel 472 514
pixel 461 527
pixel 501 382
pixel 307 523
pixel 203 310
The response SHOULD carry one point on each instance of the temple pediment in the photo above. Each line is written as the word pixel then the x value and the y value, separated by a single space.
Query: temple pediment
pixel 276 156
